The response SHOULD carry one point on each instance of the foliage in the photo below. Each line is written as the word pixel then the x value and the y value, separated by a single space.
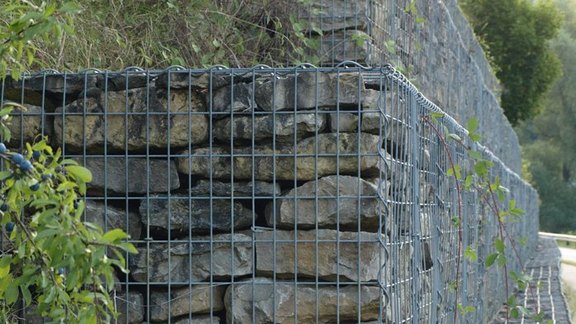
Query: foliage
pixel 199 33
pixel 21 23
pixel 516 34
pixel 548 139
pixel 493 197
pixel 49 257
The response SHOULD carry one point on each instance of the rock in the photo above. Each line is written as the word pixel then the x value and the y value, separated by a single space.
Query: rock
pixel 263 301
pixel 343 122
pixel 282 126
pixel 198 319
pixel 122 81
pixel 108 218
pixel 193 80
pixel 27 125
pixel 133 120
pixel 232 98
pixel 229 255
pixel 310 90
pixel 130 307
pixel 240 190
pixel 199 215
pixel 346 201
pixel 183 301
pixel 113 174
pixel 343 46
pixel 333 150
pixel 334 16
pixel 320 254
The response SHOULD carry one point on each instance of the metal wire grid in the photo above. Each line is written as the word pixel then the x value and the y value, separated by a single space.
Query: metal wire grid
pixel 414 236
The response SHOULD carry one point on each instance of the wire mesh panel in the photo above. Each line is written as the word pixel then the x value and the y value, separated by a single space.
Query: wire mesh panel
pixel 268 195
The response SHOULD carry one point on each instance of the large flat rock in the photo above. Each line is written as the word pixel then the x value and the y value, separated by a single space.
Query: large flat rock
pixel 198 299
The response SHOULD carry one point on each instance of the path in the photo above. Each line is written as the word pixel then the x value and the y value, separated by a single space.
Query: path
pixel 569 267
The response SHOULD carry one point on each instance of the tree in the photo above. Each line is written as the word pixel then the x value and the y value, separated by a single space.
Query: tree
pixel 548 138
pixel 49 257
pixel 516 34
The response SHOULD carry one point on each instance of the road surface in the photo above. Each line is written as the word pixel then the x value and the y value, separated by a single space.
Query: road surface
pixel 569 270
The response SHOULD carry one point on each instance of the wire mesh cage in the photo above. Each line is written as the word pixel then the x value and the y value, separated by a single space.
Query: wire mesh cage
pixel 266 195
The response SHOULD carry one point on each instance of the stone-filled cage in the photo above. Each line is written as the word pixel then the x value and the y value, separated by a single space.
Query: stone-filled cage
pixel 266 195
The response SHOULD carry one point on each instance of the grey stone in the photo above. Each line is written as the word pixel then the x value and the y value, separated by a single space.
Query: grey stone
pixel 344 46
pixel 310 90
pixel 135 120
pixel 328 254
pixel 199 215
pixel 282 127
pixel 343 202
pixel 231 99
pixel 241 189
pixel 130 307
pixel 199 319
pixel 108 218
pixel 193 80
pixel 263 301
pixel 27 125
pixel 343 122
pixel 334 16
pixel 122 81
pixel 228 255
pixel 182 301
pixel 116 176
pixel 351 152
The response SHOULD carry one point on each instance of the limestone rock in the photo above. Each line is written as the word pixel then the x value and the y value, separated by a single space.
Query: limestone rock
pixel 122 81
pixel 262 301
pixel 240 190
pixel 319 253
pixel 27 125
pixel 132 120
pixel 282 126
pixel 310 90
pixel 131 307
pixel 343 122
pixel 199 215
pixel 198 299
pixel 229 255
pixel 198 319
pixel 343 46
pixel 232 98
pixel 109 218
pixel 192 80
pixel 349 201
pixel 351 152
pixel 116 176
pixel 334 16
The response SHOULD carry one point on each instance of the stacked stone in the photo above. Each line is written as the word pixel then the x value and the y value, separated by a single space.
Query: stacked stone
pixel 251 198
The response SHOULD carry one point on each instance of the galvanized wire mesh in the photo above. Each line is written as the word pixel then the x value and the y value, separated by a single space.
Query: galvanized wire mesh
pixel 267 195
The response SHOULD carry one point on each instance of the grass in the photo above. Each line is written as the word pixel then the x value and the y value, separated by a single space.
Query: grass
pixel 570 299
pixel 113 35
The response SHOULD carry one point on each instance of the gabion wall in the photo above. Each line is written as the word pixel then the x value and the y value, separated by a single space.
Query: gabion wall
pixel 276 195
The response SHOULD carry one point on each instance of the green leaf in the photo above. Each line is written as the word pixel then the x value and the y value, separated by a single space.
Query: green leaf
pixel 455 171
pixel 491 259
pixel 472 125
pixel 80 172
pixel 470 254
pixel 437 114
pixel 114 235
pixel 475 155
pixel 455 137
pixel 499 245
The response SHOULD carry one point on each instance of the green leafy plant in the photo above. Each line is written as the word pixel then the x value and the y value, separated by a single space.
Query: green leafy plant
pixel 493 197
pixel 50 257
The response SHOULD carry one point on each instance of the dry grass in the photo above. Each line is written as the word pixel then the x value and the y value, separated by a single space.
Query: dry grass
pixel 570 299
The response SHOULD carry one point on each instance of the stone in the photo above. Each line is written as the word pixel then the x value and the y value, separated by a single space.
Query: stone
pixel 132 120
pixel 282 127
pixel 198 299
pixel 343 122
pixel 344 46
pixel 198 319
pixel 130 307
pixel 343 202
pixel 352 153
pixel 183 213
pixel 235 98
pixel 240 190
pixel 310 90
pixel 263 301
pixel 108 218
pixel 219 257
pixel 27 125
pixel 334 16
pixel 115 175
pixel 122 81
pixel 328 254
pixel 193 80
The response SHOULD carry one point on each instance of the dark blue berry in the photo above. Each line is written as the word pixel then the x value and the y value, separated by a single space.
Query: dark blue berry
pixel 36 155
pixel 35 186
pixel 61 271
pixel 75 204
pixel 26 165
pixel 9 227
pixel 3 148
pixel 46 176
pixel 4 207
pixel 17 158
